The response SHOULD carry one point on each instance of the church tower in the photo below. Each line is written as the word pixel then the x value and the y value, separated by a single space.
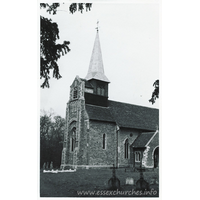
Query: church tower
pixel 100 132
pixel 97 91
pixel 91 91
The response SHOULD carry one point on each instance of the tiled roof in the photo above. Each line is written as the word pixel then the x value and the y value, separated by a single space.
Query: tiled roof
pixel 142 139
pixel 134 116
pixel 99 113
pixel 125 115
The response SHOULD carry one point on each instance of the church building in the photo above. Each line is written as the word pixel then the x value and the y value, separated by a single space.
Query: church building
pixel 100 132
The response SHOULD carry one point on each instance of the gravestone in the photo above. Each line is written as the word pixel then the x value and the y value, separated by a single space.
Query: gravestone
pixel 47 165
pixel 113 182
pixel 44 166
pixel 141 184
pixel 129 181
pixel 153 181
pixel 51 165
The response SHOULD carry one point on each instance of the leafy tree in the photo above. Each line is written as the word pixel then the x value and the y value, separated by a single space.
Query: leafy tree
pixel 51 138
pixel 155 93
pixel 50 51
pixel 58 128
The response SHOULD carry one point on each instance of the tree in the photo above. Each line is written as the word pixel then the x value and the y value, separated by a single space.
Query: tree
pixel 51 138
pixel 155 93
pixel 50 51
pixel 58 128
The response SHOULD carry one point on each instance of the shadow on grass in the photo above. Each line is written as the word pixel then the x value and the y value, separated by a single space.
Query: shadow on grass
pixel 93 183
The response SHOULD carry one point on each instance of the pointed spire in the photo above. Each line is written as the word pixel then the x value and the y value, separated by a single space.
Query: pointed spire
pixel 96 69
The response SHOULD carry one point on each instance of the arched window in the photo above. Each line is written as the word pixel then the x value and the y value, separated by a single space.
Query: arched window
pixel 137 156
pixel 156 157
pixel 75 94
pixel 104 141
pixel 98 90
pixel 73 139
pixel 72 144
pixel 102 91
pixel 126 149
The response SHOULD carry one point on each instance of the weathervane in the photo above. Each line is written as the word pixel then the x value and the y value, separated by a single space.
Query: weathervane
pixel 97 26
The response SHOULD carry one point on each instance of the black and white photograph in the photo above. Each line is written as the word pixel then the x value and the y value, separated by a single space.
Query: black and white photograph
pixel 99 99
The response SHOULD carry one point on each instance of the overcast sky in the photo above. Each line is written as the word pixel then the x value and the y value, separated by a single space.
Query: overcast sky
pixel 129 38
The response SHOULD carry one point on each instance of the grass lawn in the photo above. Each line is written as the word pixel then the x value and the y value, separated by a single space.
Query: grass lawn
pixel 93 180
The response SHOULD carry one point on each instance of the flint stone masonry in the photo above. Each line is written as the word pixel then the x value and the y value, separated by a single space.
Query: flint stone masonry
pixel 152 146
pixel 90 115
pixel 97 155
pixel 130 134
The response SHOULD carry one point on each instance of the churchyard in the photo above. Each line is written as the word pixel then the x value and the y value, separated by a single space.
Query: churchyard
pixel 94 183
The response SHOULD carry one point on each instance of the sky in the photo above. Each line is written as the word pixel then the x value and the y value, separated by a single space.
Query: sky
pixel 179 107
pixel 129 39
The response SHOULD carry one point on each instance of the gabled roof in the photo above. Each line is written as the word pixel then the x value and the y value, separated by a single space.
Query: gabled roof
pixel 99 113
pixel 142 139
pixel 134 116
pixel 96 69
pixel 125 115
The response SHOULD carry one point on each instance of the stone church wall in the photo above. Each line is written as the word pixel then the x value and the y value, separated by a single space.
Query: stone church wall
pixel 148 155
pixel 75 119
pixel 131 135
pixel 98 155
pixel 82 136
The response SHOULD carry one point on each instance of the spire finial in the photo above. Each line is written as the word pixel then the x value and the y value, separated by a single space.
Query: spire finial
pixel 97 25
pixel 96 69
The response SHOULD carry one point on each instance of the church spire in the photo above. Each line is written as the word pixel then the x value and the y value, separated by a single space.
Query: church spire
pixel 96 69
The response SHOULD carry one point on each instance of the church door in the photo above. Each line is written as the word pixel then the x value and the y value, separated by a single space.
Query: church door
pixel 156 157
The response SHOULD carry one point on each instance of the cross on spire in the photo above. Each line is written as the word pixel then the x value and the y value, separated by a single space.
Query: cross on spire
pixel 96 69
pixel 97 26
